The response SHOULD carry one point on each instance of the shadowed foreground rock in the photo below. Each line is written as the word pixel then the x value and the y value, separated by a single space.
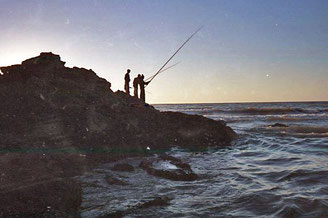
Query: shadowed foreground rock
pixel 57 122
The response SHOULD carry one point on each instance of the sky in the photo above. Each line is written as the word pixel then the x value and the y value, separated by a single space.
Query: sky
pixel 247 51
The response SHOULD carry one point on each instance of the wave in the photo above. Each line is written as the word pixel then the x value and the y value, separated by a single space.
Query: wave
pixel 296 130
pixel 305 176
pixel 292 118
pixel 271 118
pixel 258 111
pixel 307 129
pixel 248 109
pixel 271 111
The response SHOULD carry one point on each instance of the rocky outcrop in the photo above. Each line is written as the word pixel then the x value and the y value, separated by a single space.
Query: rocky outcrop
pixel 124 167
pixel 157 202
pixel 161 201
pixel 46 105
pixel 57 122
pixel 168 167
pixel 115 181
pixel 278 125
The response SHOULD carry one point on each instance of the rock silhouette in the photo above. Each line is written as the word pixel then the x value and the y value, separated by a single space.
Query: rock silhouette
pixel 57 122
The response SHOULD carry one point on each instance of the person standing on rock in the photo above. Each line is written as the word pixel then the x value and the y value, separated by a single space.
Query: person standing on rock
pixel 135 85
pixel 127 81
pixel 142 84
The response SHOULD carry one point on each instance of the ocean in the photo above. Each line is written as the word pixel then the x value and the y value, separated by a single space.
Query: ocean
pixel 277 167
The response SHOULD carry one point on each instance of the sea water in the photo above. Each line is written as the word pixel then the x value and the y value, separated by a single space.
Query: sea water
pixel 277 167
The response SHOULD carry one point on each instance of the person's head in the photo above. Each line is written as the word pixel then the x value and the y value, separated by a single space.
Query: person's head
pixel 139 75
pixel 128 70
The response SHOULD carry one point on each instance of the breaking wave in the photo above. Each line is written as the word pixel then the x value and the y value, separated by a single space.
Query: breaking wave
pixel 272 111
pixel 256 111
pixel 297 130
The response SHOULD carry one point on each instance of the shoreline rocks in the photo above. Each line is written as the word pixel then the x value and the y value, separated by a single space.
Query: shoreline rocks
pixel 58 122
pixel 168 167
pixel 123 167
pixel 278 125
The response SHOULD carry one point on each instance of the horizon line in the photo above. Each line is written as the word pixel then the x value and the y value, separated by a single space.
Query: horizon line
pixel 245 102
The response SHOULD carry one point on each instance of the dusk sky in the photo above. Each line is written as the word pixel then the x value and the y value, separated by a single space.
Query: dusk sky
pixel 248 51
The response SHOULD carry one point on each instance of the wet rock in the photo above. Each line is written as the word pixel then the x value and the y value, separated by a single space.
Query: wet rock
pixel 278 125
pixel 116 214
pixel 115 181
pixel 175 161
pixel 177 171
pixel 123 167
pixel 157 202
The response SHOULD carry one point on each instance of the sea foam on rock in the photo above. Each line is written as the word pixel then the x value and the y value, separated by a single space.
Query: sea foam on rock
pixel 168 167
pixel 57 122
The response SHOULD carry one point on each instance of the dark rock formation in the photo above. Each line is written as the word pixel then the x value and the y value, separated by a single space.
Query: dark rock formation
pixel 116 214
pixel 278 125
pixel 115 181
pixel 157 202
pixel 46 105
pixel 175 161
pixel 123 167
pixel 57 122
pixel 157 167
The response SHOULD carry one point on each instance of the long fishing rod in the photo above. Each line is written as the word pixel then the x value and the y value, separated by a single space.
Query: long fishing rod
pixel 149 78
pixel 160 72
pixel 175 54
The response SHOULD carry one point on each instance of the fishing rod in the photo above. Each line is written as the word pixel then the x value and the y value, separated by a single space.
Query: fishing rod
pixel 160 72
pixel 149 78
pixel 174 54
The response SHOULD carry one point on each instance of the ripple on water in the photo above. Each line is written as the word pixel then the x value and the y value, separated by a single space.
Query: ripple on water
pixel 258 176
pixel 296 206
pixel 306 177
pixel 269 171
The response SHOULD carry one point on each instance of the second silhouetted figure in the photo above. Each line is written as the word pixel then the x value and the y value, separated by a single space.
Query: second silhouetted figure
pixel 142 84
pixel 136 82
pixel 127 81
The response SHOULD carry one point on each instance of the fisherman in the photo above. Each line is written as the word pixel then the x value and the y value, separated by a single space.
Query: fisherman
pixel 135 85
pixel 142 84
pixel 127 81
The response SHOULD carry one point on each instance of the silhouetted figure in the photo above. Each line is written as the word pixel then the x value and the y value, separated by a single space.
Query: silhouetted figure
pixel 142 84
pixel 127 81
pixel 136 82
